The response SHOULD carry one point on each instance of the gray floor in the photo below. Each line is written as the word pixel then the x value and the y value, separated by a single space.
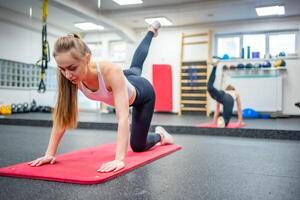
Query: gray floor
pixel 292 123
pixel 207 167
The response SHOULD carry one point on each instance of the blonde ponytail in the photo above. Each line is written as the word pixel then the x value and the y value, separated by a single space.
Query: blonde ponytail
pixel 66 111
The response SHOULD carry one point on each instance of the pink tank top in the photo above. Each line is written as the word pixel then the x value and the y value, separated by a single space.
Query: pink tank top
pixel 102 94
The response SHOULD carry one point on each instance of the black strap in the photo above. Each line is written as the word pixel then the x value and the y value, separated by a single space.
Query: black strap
pixel 45 59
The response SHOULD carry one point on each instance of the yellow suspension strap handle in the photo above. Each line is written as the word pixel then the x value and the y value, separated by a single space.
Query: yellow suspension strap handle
pixel 45 11
pixel 45 49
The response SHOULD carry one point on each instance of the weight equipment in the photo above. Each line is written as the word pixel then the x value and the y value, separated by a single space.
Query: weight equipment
pixel 279 63
pixel 240 66
pixel 249 66
pixel 266 64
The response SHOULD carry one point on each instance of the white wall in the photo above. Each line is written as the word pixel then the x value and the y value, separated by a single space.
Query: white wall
pixel 165 49
pixel 256 86
pixel 23 45
pixel 291 87
pixel 20 44
pixel 16 96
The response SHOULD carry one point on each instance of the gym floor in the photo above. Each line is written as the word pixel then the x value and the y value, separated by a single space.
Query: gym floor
pixel 291 123
pixel 208 167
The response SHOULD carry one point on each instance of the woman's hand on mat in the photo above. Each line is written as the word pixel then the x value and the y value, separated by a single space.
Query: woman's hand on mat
pixel 114 165
pixel 42 160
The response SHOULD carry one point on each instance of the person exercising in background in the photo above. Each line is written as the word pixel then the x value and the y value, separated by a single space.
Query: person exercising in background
pixel 105 82
pixel 225 97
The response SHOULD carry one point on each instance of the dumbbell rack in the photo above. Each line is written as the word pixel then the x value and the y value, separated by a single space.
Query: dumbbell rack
pixel 194 76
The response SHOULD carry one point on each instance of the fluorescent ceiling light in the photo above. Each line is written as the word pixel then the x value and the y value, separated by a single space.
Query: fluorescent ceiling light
pixel 88 26
pixel 163 21
pixel 270 10
pixel 30 11
pixel 128 2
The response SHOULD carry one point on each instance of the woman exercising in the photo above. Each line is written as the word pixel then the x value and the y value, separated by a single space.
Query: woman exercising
pixel 225 97
pixel 103 81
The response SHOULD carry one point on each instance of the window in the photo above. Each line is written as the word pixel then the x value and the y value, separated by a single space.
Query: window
pixel 284 42
pixel 96 50
pixel 24 76
pixel 229 46
pixel 264 42
pixel 51 80
pixel 117 51
pixel 256 43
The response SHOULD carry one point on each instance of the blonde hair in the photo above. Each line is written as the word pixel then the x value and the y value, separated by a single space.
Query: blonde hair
pixel 65 111
pixel 230 87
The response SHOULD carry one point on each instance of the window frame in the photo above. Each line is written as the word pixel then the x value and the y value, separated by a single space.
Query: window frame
pixel 23 76
pixel 296 32
pixel 228 36
pixel 267 42
pixel 99 44
pixel 110 51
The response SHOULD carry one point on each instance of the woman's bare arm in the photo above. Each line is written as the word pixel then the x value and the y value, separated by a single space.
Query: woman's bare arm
pixel 217 112
pixel 116 81
pixel 49 157
pixel 239 109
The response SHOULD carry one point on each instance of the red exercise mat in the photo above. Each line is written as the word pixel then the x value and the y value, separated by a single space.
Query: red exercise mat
pixel 81 166
pixel 230 125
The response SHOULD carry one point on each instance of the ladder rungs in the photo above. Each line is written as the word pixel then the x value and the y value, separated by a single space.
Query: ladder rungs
pixel 194 61
pixel 194 74
pixel 193 88
pixel 194 67
pixel 195 35
pixel 193 102
pixel 195 43
pixel 192 95
pixel 192 109
pixel 194 81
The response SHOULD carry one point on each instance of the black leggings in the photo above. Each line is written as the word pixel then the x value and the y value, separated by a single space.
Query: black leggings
pixel 220 96
pixel 143 106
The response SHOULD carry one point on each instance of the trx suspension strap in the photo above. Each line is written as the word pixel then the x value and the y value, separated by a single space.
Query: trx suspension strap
pixel 43 62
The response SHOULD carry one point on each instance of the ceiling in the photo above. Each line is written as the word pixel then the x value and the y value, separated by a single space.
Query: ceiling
pixel 188 12
pixel 124 19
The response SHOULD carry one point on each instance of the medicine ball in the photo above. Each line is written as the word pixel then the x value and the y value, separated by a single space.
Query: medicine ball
pixel 266 64
pixel 257 65
pixel 240 66
pixel 249 66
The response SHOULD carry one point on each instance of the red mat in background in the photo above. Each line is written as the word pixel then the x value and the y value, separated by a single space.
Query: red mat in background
pixel 211 125
pixel 81 166
pixel 162 84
